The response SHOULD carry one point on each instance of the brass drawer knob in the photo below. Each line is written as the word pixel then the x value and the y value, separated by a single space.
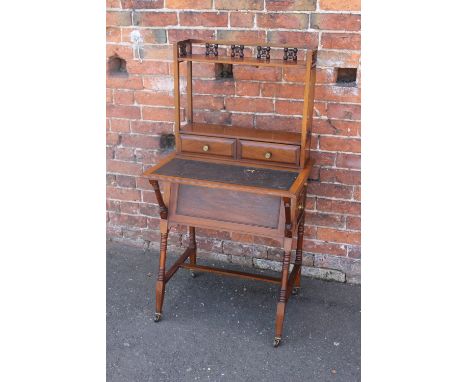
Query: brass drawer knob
pixel 205 148
pixel 268 155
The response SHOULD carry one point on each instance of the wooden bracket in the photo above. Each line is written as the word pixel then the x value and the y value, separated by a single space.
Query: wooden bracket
pixel 162 207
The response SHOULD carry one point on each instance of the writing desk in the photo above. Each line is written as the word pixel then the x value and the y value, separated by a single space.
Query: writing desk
pixel 234 178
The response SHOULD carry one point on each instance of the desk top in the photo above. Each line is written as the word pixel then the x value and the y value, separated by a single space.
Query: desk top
pixel 225 173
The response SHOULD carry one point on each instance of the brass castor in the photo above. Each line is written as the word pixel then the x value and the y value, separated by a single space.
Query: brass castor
pixel 295 291
pixel 157 317
pixel 193 274
pixel 277 342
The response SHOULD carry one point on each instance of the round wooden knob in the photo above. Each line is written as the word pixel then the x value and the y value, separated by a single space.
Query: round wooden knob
pixel 205 148
pixel 268 155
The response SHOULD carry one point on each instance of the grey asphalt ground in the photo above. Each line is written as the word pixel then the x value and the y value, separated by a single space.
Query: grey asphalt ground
pixel 217 328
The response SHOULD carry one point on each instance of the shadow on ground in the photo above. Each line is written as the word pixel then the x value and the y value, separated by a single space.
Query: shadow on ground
pixel 221 329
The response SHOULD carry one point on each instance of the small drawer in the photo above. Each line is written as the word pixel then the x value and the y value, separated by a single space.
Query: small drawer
pixel 207 145
pixel 269 152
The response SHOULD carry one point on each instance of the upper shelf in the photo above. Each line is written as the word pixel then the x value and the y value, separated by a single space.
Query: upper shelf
pixel 235 53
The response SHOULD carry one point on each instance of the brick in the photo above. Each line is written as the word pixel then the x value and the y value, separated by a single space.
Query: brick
pixel 242 120
pixel 129 208
pixel 123 97
pixel 357 193
pixel 326 76
pixel 142 4
pixel 155 19
pixel 340 144
pixel 113 34
pixel 354 251
pixel 109 95
pixel 151 127
pixel 247 88
pixel 154 98
pixel 120 125
pixel 282 20
pixel 126 181
pixel 207 19
pixel 283 90
pixel 338 206
pixel 338 59
pixel 350 161
pixel 155 52
pixel 289 107
pixel 203 70
pixel 344 111
pixel 242 72
pixel 332 175
pixel 159 83
pixel 148 67
pixel 278 122
pixel 119 111
pixel 122 51
pixel 256 5
pixel 330 21
pixel 351 41
pixel 267 264
pixel 338 93
pixel 353 223
pixel 323 158
pixel 330 190
pixel 242 36
pixel 183 34
pixel 338 236
pixel 337 127
pixel 325 220
pixel 236 249
pixel 318 247
pixel 324 274
pixel 208 102
pixel 140 141
pixel 123 194
pixel 241 19
pixel 126 154
pixel 112 138
pixel 320 109
pixel 344 264
pixel 340 5
pixel 189 4
pixel 158 114
pixel 291 5
pixel 124 83
pixel 118 18
pixel 309 39
pixel 257 105
pixel 127 220
pixel 213 87
pixel 212 117
pixel 113 4
pixel 294 74
pixel 120 167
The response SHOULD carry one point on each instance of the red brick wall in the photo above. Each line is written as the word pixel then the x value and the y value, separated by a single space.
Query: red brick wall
pixel 140 108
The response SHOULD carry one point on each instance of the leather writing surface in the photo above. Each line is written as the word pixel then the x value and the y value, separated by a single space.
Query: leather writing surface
pixel 225 173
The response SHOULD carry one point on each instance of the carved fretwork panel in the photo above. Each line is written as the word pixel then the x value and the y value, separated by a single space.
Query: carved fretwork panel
pixel 263 52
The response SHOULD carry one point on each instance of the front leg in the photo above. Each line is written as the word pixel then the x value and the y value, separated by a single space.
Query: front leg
pixel 161 281
pixel 281 307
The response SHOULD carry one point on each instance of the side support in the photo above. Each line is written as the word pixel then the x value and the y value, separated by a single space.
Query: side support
pixel 300 240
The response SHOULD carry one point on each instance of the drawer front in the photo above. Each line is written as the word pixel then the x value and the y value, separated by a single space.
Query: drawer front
pixel 208 145
pixel 269 152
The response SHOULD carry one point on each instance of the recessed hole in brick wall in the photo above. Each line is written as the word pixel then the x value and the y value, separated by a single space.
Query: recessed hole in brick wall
pixel 346 76
pixel 223 71
pixel 167 141
pixel 117 66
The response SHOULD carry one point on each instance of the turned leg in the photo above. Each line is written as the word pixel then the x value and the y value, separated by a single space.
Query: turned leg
pixel 298 260
pixel 281 307
pixel 160 283
pixel 193 247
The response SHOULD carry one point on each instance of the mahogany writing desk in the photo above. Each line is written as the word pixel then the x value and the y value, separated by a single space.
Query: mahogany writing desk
pixel 236 179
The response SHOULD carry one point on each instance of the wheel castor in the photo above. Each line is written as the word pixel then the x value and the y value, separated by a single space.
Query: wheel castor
pixel 295 291
pixel 157 317
pixel 277 342
pixel 193 274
